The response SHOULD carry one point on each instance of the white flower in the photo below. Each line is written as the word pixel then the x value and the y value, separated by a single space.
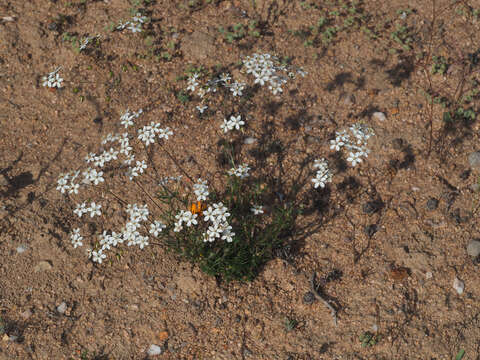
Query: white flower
pixel 200 189
pixel 178 226
pixel 323 174
pixel 90 158
pixel 337 144
pixel 221 212
pixel 135 27
pixel 202 109
pixel 63 183
pixel 236 122
pixel 209 214
pixel 80 209
pixel 147 135
pixel 74 188
pixel 142 241
pixel 354 158
pixel 96 177
pixel 225 77
pixel 213 232
pixel 257 209
pixel 164 133
pixel 226 126
pixel 188 218
pixel 53 79
pixel 76 238
pixel 227 234
pixel 94 209
pixel 241 171
pixel 98 256
pixel 139 18
pixel 156 227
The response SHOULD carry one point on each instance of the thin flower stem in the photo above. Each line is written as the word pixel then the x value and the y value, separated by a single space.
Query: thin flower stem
pixel 176 163
pixel 146 193
pixel 322 299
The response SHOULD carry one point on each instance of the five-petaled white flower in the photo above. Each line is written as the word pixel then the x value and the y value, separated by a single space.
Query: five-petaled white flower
pixel 257 209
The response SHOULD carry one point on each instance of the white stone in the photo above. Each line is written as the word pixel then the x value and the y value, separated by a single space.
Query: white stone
pixel 154 350
pixel 249 140
pixel 62 308
pixel 458 285
pixel 379 116
pixel 21 249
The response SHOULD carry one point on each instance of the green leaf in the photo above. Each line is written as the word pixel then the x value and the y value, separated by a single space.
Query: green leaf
pixel 460 355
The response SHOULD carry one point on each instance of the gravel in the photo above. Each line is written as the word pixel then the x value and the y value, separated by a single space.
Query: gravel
pixel 473 248
pixel 474 160
pixel 154 350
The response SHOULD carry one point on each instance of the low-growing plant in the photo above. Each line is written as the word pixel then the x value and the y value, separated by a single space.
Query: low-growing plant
pixel 440 65
pixel 368 339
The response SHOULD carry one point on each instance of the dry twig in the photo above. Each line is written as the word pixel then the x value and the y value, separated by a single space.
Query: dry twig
pixel 322 299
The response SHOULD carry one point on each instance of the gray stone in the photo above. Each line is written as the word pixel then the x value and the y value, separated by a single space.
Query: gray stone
pixel 154 350
pixel 474 160
pixel 249 140
pixel 379 116
pixel 62 308
pixel 473 248
pixel 21 249
pixel 458 285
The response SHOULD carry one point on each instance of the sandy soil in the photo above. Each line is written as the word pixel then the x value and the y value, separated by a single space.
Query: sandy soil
pixel 385 259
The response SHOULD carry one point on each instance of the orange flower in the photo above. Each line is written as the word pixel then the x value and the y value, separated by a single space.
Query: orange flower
pixel 198 207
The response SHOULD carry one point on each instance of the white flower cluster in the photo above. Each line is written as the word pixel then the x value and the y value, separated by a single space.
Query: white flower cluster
pixel 66 183
pixel 323 175
pixel 76 238
pixel 127 118
pixel 355 142
pixel 93 176
pixel 200 189
pixel 138 169
pixel 129 233
pixel 185 217
pixel 235 122
pixel 93 209
pixel 266 70
pixel 53 79
pixel 241 171
pixel 84 42
pixel 148 133
pixel 257 209
pixel 220 228
pixel 211 86
pixel 134 25
pixel 164 181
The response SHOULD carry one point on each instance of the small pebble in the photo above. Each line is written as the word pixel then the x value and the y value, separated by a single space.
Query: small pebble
pixel 21 249
pixel 62 308
pixel 474 160
pixel 473 248
pixel 308 298
pixel 379 116
pixel 458 285
pixel 397 144
pixel 249 140
pixel 432 204
pixel 154 350
pixel 428 275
